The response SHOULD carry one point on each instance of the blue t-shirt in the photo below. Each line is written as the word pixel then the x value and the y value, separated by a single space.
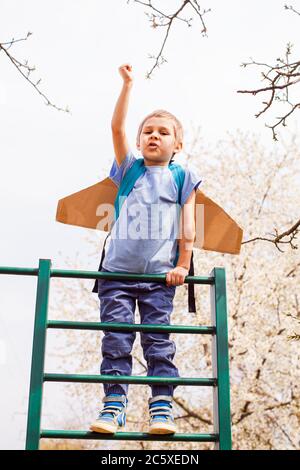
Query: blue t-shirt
pixel 144 237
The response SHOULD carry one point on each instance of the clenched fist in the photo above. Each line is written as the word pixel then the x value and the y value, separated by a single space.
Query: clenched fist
pixel 125 71
pixel 176 276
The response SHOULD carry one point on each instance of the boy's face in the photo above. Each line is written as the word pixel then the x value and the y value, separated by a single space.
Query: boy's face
pixel 157 141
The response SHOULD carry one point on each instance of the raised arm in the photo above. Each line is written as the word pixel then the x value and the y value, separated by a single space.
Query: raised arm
pixel 120 142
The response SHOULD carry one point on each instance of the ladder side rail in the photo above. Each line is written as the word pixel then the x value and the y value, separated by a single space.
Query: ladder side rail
pixel 38 356
pixel 220 361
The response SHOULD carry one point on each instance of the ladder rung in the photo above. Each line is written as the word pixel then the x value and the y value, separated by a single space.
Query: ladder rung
pixel 125 379
pixel 127 436
pixel 78 325
pixel 210 280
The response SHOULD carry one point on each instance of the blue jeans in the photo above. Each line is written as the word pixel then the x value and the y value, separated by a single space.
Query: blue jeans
pixel 117 304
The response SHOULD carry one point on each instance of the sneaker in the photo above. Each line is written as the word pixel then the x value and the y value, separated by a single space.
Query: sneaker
pixel 113 415
pixel 161 417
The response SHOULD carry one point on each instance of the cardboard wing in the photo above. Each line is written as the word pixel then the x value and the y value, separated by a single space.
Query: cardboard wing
pixel 93 207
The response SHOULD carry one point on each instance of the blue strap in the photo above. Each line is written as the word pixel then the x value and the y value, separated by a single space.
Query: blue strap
pixel 178 175
pixel 127 184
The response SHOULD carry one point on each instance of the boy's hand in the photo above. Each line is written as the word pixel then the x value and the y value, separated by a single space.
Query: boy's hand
pixel 125 71
pixel 177 276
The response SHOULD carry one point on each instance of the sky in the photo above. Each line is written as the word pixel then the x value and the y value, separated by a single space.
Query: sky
pixel 77 47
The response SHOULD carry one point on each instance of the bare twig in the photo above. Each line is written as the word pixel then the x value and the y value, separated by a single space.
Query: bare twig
pixel 283 430
pixel 270 181
pixel 291 8
pixel 278 237
pixel 292 271
pixel 158 18
pixel 294 337
pixel 191 413
pixel 284 75
pixel 25 70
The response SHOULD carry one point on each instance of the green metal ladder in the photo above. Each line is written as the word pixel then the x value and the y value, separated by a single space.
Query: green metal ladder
pixel 220 361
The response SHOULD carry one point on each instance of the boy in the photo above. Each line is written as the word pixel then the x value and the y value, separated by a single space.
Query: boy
pixel 159 138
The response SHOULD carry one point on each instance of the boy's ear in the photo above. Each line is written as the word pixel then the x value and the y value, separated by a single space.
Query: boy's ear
pixel 178 147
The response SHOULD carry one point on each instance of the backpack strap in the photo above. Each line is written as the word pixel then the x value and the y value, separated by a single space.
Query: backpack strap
pixel 95 288
pixel 178 175
pixel 127 184
pixel 191 288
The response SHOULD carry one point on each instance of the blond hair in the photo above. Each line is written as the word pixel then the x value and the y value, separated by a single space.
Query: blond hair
pixel 178 129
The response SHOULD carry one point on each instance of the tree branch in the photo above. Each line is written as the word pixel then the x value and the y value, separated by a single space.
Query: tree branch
pixel 158 18
pixel 28 70
pixel 278 237
pixel 285 76
pixel 191 413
